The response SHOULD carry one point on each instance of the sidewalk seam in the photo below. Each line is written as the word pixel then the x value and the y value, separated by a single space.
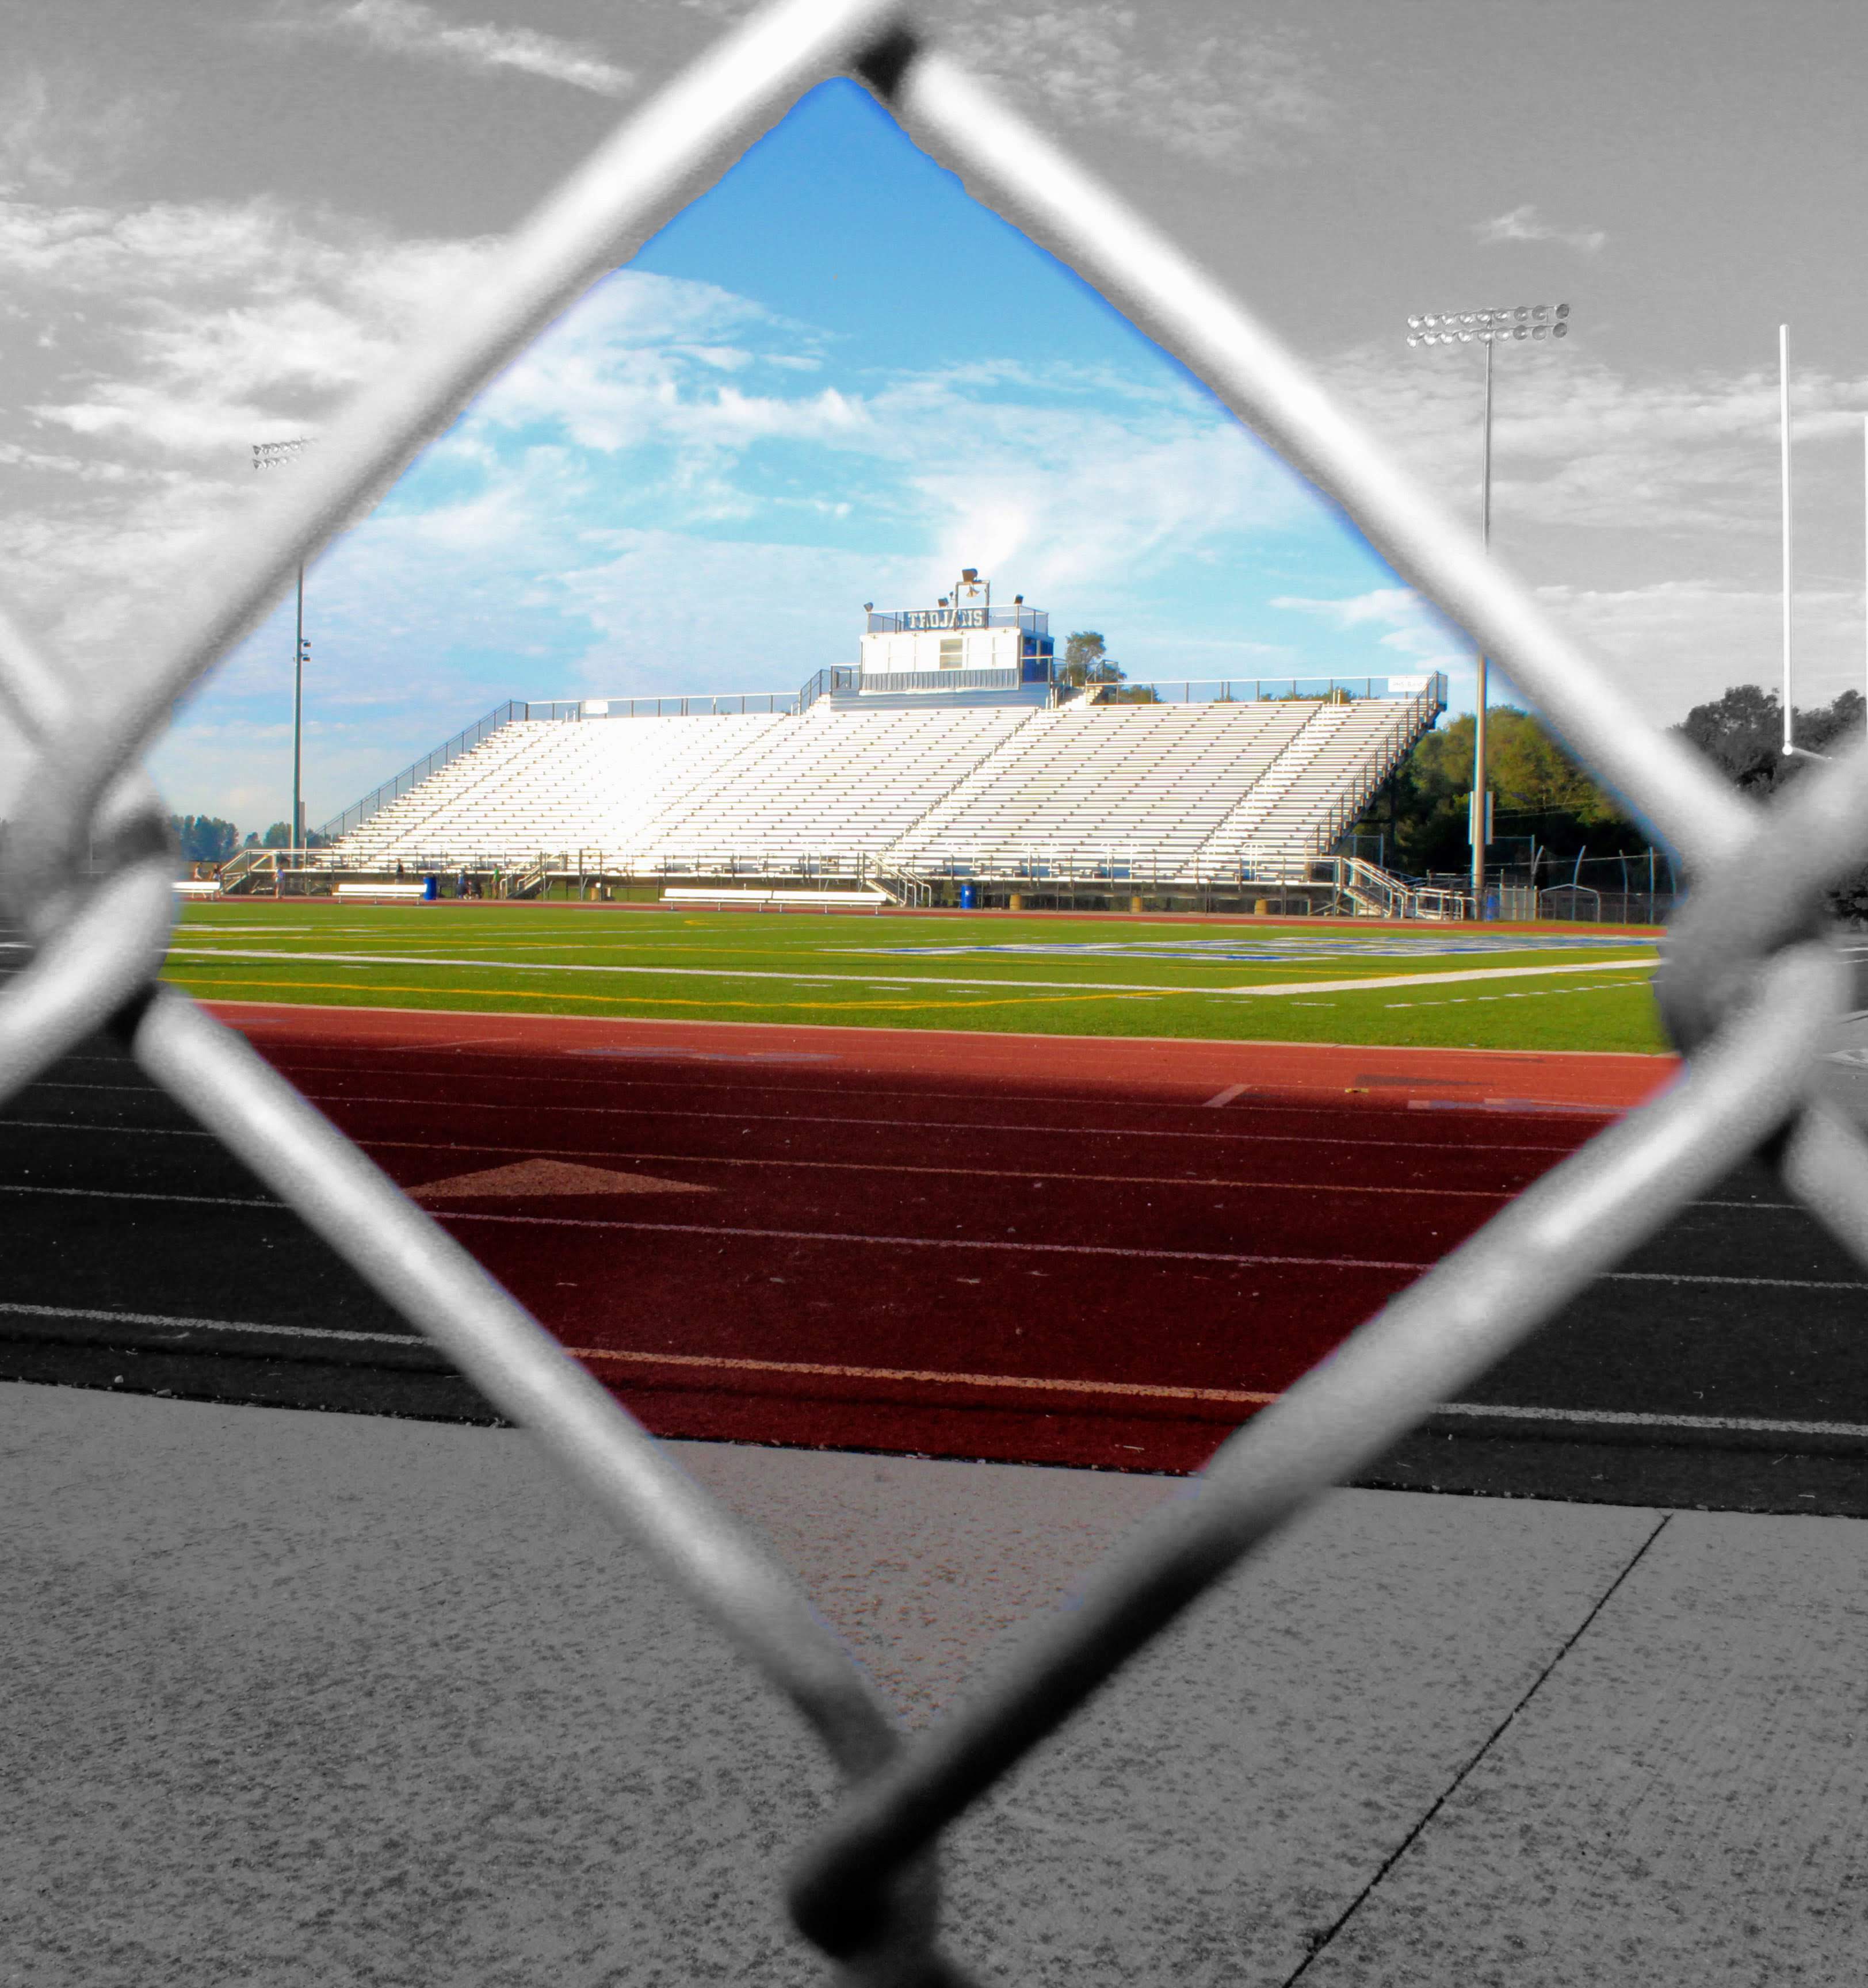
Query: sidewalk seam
pixel 1325 1939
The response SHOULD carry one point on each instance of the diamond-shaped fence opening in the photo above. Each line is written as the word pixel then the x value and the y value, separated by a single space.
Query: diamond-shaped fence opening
pixel 1750 987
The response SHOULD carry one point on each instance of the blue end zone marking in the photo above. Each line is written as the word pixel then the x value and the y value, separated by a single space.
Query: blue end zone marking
pixel 1372 946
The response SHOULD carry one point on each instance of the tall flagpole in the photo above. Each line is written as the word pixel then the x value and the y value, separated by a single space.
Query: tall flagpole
pixel 1783 424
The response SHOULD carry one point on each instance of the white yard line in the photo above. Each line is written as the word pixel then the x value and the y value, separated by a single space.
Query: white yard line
pixel 912 981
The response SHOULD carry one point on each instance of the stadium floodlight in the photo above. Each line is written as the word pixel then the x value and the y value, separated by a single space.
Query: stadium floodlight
pixel 1488 328
pixel 273 455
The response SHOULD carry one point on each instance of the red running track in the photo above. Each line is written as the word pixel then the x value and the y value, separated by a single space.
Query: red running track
pixel 1035 1248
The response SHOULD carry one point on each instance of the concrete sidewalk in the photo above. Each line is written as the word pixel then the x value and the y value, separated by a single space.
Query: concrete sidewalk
pixel 295 1699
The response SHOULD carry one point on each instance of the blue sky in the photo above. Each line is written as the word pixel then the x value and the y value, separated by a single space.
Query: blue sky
pixel 835 379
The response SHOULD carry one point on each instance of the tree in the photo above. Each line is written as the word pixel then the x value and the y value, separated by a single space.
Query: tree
pixel 1742 732
pixel 1086 661
pixel 278 837
pixel 1541 797
pixel 203 838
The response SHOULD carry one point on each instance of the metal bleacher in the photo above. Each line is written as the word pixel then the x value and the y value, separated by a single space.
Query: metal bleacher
pixel 836 782
pixel 1012 789
pixel 1324 772
pixel 1083 780
pixel 536 785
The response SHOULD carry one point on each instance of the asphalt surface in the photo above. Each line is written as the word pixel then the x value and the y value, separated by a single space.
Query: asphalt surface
pixel 142 1258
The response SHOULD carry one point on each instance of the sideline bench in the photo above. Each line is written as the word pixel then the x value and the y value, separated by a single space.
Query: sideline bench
pixel 398 891
pixel 696 900
pixel 197 886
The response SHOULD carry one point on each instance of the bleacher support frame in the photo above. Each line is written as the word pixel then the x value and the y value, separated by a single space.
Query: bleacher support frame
pixel 1752 987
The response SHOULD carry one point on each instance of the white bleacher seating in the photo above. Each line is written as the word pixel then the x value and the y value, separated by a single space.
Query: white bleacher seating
pixel 1124 783
pixel 1162 790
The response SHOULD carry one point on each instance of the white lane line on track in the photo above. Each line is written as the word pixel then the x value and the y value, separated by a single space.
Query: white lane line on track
pixel 896 983
pixel 966 1173
pixel 777 1235
pixel 1232 1396
pixel 538 1105
pixel 862 1166
pixel 1236 1397
pixel 297 1055
pixel 209 1324
pixel 1110 1249
pixel 1624 1419
pixel 127 1194
pixel 821 1166
pixel 1328 1104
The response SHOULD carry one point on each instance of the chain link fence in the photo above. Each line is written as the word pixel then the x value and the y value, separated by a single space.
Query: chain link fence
pixel 1751 987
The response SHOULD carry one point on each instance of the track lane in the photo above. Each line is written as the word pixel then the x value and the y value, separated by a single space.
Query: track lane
pixel 1131 1361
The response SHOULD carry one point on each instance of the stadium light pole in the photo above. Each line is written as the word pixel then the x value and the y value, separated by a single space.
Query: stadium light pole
pixel 1485 328
pixel 272 455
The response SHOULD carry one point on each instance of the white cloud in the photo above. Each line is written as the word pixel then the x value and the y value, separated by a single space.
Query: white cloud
pixel 58 133
pixel 1522 223
pixel 175 335
pixel 1066 473
pixel 1242 96
pixel 601 520
pixel 409 28
pixel 1577 444
pixel 1677 643
pixel 1412 627
pixel 1231 99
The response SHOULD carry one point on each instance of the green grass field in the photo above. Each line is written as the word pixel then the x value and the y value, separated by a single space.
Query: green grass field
pixel 1312 981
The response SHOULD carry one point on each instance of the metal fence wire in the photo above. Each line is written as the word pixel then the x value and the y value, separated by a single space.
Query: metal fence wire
pixel 1751 985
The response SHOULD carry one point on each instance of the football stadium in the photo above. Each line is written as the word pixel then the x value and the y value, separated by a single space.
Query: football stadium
pixel 947 765
pixel 982 1321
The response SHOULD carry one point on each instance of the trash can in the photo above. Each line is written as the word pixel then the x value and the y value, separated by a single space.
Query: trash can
pixel 969 898
pixel 1491 906
pixel 431 889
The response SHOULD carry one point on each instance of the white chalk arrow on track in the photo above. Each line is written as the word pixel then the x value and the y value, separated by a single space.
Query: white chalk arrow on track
pixel 534 1177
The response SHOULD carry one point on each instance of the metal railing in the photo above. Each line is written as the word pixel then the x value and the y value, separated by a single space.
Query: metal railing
pixel 827 683
pixel 1751 989
pixel 418 770
pixel 731 704
pixel 1259 690
pixel 698 703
